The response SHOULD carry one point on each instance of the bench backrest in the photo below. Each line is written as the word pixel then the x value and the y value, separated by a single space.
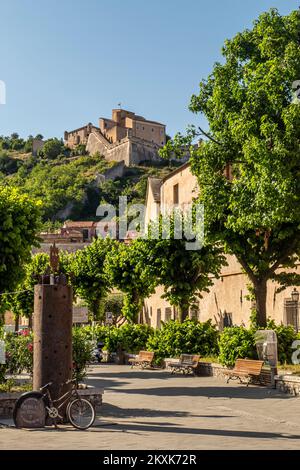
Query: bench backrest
pixel 146 356
pixel 248 366
pixel 189 359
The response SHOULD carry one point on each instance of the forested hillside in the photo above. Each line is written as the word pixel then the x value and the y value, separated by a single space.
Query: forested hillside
pixel 67 182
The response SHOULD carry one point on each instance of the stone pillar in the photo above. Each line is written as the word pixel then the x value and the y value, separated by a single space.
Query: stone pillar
pixel 52 328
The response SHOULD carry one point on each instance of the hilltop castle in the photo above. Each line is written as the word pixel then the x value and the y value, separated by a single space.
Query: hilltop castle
pixel 125 137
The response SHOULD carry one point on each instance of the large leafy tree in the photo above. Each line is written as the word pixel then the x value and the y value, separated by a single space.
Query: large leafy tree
pixel 248 167
pixel 88 276
pixel 21 303
pixel 129 270
pixel 19 226
pixel 52 149
pixel 184 273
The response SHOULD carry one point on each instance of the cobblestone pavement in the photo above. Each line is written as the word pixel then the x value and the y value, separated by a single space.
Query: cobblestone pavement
pixel 152 409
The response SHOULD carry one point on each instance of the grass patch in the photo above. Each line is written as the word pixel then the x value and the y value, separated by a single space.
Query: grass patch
pixel 293 368
pixel 11 386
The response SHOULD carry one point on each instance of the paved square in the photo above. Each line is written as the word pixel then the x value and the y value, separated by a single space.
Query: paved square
pixel 152 409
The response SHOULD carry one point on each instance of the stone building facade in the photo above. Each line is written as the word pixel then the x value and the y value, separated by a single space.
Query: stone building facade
pixel 79 136
pixel 226 303
pixel 125 137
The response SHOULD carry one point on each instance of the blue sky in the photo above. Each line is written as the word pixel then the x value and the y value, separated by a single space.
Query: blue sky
pixel 68 62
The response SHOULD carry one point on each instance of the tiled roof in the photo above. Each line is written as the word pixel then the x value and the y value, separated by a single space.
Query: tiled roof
pixel 80 224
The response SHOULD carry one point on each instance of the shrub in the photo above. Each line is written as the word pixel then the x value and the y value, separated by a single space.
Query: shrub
pixel 177 338
pixel 19 353
pixel 96 333
pixel 82 352
pixel 130 337
pixel 236 342
pixel 285 337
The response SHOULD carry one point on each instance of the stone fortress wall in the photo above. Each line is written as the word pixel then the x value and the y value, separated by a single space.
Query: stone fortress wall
pixel 125 138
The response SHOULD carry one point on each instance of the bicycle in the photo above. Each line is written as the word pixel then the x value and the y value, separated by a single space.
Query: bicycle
pixel 79 411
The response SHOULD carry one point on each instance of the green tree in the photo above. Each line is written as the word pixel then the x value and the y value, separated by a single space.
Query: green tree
pixel 88 277
pixel 184 273
pixel 22 302
pixel 20 222
pixel 113 303
pixel 129 270
pixel 52 149
pixel 248 167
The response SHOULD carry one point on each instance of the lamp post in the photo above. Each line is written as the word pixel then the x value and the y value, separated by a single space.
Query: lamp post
pixel 295 298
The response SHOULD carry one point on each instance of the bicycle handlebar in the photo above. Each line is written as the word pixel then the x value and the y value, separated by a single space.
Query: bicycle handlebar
pixel 46 386
pixel 63 383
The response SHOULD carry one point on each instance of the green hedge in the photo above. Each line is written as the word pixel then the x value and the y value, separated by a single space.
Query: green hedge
pixel 189 337
pixel 238 342
pixel 130 337
pixel 171 340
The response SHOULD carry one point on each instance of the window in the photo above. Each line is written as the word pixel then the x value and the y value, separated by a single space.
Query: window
pixel 152 130
pixel 194 311
pixel 150 311
pixel 227 319
pixel 291 313
pixel 168 314
pixel 176 194
pixel 85 233
pixel 158 318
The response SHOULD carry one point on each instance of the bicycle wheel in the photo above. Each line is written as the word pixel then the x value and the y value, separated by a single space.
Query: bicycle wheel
pixel 81 413
pixel 30 411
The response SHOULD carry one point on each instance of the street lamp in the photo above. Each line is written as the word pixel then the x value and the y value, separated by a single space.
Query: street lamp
pixel 295 295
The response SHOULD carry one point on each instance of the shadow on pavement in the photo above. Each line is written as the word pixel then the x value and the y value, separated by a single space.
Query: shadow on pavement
pixel 171 428
pixel 108 410
pixel 249 393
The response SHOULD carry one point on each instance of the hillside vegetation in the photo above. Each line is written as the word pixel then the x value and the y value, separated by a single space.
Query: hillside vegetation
pixel 67 182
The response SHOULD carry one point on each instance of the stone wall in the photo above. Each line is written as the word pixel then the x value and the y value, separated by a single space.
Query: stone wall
pixel 112 152
pixel 69 247
pixel 8 400
pixel 228 295
pixel 143 151
pixel 116 171
pixel 130 150
pixel 288 384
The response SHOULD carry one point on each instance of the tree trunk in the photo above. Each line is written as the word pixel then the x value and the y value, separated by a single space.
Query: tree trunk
pixel 95 309
pixel 183 312
pixel 260 291
pixel 16 322
pixel 30 322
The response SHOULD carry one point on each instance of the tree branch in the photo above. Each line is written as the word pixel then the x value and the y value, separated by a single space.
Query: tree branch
pixel 247 268
pixel 208 136
pixel 289 251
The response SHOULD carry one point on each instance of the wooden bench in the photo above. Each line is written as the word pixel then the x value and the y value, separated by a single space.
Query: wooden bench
pixel 245 369
pixel 143 359
pixel 187 364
